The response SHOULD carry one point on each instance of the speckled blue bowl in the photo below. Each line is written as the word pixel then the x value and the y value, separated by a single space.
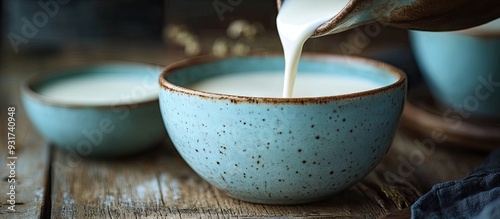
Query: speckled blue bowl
pixel 277 150
pixel 97 130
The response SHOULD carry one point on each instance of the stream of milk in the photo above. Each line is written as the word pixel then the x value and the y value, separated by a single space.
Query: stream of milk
pixel 297 20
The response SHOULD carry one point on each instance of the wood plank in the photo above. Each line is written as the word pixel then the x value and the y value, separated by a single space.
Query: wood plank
pixel 31 169
pixel 159 184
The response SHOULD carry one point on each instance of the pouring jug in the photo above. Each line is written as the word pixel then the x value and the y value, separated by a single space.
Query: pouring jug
pixel 428 15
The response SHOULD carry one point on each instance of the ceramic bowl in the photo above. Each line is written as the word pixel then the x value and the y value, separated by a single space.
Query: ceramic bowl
pixel 281 150
pixel 97 127
pixel 462 69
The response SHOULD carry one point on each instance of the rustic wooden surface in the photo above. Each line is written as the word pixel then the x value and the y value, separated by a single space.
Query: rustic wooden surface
pixel 32 153
pixel 158 184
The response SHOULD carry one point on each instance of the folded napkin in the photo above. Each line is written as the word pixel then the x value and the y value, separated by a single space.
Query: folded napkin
pixel 476 196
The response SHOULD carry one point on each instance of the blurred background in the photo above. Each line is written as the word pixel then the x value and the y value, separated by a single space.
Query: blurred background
pixel 60 22
pixel 56 23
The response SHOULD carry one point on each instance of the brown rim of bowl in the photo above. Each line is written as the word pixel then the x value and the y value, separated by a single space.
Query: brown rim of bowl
pixel 166 85
pixel 28 90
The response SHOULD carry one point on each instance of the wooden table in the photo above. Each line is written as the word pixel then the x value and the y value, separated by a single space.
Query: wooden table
pixel 53 183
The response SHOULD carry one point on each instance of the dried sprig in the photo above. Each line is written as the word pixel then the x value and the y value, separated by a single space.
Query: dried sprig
pixel 240 35
pixel 180 35
pixel 243 29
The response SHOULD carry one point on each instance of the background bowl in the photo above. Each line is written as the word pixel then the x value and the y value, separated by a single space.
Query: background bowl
pixel 111 128
pixel 462 68
pixel 277 150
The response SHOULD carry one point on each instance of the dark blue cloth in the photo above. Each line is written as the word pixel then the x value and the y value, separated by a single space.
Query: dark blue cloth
pixel 476 196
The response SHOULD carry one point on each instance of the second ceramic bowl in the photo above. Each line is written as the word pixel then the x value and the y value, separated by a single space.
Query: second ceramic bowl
pixel 281 150
pixel 462 69
pixel 103 110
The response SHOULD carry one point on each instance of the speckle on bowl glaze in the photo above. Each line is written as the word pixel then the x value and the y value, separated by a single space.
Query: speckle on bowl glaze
pixel 277 150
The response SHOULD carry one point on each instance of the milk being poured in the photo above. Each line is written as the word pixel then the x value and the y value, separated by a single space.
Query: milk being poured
pixel 297 20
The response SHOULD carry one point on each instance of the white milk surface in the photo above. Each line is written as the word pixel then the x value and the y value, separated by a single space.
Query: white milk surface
pixel 95 89
pixel 297 20
pixel 269 84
